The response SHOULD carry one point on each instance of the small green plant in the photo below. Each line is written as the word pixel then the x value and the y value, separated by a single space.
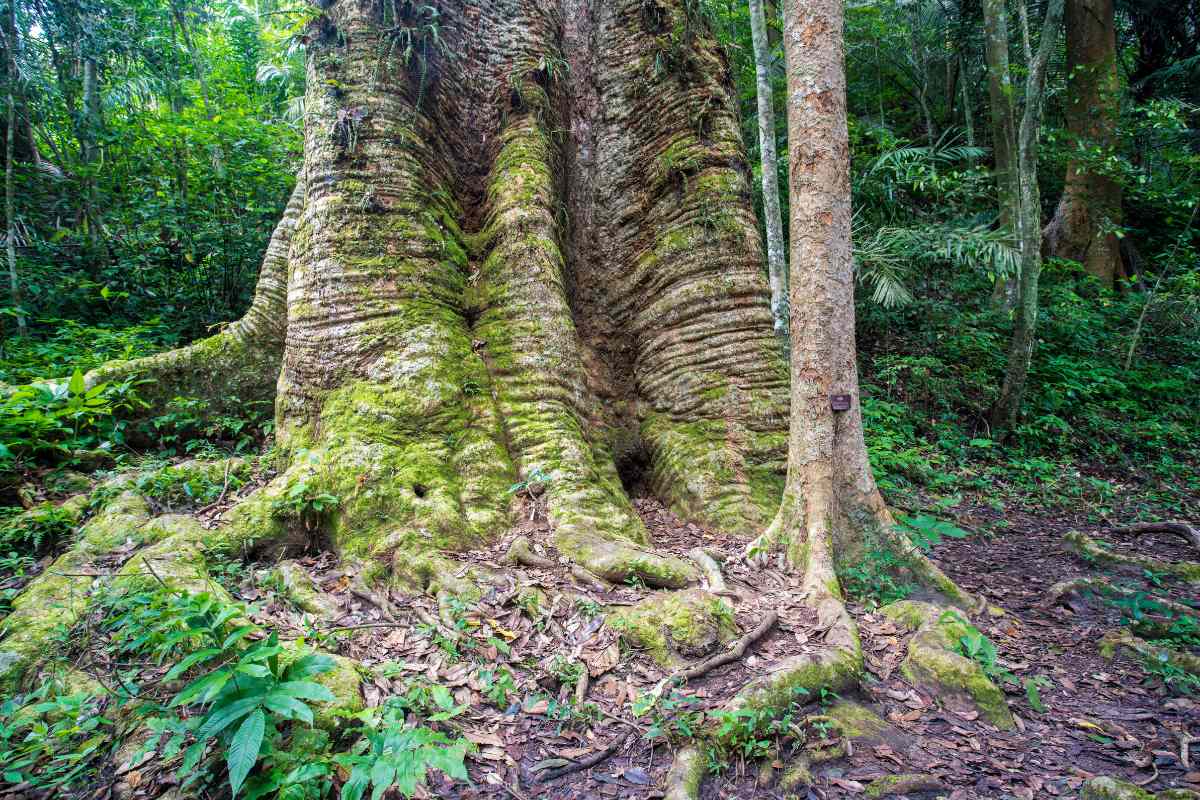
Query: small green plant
pixel 752 733
pixel 174 486
pixel 532 483
pixel 874 579
pixel 241 693
pixel 565 670
pixel 37 532
pixel 392 754
pixel 498 686
pixel 670 713
pixel 304 502
pixel 588 607
pixel 925 531
pixel 52 741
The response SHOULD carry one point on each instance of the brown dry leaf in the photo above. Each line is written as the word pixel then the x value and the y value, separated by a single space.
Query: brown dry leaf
pixel 848 785
pixel 484 738
pixel 601 661
pixel 540 707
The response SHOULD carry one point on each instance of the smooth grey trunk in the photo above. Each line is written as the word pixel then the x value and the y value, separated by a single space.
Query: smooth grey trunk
pixel 10 234
pixel 1002 100
pixel 1027 214
pixel 968 111
pixel 89 149
pixel 776 261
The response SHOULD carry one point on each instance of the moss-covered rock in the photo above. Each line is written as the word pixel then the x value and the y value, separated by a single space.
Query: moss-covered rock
pixel 676 627
pixel 1105 788
pixel 55 600
pixel 934 660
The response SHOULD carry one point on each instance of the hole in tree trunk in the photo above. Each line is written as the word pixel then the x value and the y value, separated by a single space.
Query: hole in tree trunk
pixel 419 490
pixel 631 468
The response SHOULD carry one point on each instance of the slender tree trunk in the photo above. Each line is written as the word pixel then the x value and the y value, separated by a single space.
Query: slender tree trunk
pixel 10 152
pixel 1029 209
pixel 1002 101
pixel 89 149
pixel 1090 207
pixel 776 262
pixel 968 104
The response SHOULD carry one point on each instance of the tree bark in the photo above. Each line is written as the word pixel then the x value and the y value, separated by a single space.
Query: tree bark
pixel 10 152
pixel 831 506
pixel 1002 101
pixel 504 271
pixel 1028 210
pixel 776 261
pixel 1090 207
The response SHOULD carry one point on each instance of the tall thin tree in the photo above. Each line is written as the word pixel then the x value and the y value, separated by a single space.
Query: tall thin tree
pixel 776 261
pixel 1019 188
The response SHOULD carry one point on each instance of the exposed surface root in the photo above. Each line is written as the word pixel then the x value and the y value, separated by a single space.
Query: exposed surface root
pixel 711 569
pixel 900 785
pixel 1062 590
pixel 521 552
pixel 584 763
pixel 1092 550
pixel 1105 788
pixel 686 774
pixel 733 654
pixel 1122 638
pixel 1178 528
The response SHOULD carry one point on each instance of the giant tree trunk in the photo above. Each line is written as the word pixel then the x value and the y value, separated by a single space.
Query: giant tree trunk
pixel 507 270
pixel 1090 206
pixel 776 263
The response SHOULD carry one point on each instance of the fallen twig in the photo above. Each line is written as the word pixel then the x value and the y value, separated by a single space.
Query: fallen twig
pixel 584 763
pixel 733 654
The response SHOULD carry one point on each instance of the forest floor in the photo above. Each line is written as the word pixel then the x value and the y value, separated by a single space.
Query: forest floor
pixel 1098 717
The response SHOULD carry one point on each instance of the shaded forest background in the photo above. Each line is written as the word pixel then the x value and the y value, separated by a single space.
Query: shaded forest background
pixel 155 145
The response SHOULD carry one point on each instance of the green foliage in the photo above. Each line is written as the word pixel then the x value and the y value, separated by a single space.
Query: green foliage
pixel 752 733
pixel 670 713
pixel 303 501
pixel 43 420
pixel 874 579
pixel 36 533
pixel 176 486
pixel 52 741
pixel 240 691
pixel 925 531
pixel 498 686
pixel 189 425
pixel 391 754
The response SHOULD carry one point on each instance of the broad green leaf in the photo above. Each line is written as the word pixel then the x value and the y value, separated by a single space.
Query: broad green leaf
pixel 243 750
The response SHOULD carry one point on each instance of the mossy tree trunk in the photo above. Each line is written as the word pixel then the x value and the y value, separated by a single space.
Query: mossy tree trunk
pixel 1090 208
pixel 523 252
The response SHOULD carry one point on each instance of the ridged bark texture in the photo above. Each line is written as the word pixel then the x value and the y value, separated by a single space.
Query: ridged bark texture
pixel 1090 206
pixel 527 254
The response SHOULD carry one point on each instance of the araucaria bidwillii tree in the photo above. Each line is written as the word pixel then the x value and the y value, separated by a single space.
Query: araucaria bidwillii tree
pixel 521 253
